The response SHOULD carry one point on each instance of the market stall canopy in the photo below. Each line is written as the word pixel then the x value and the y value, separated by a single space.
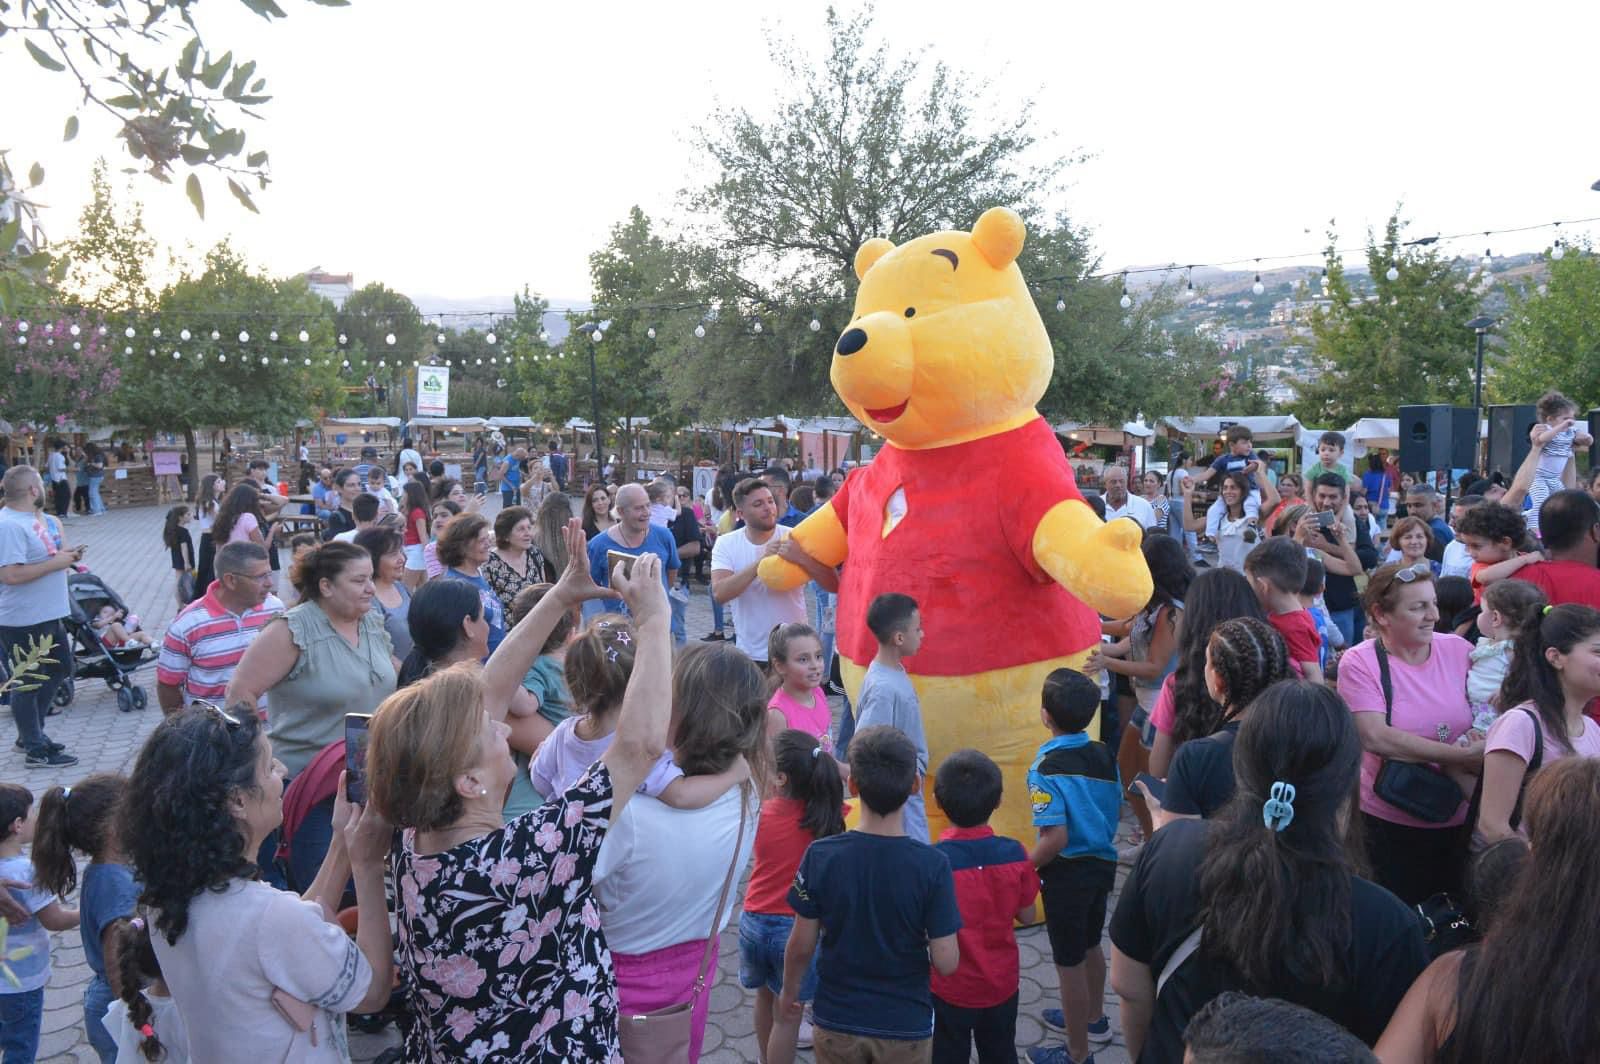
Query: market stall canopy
pixel 583 425
pixel 1371 433
pixel 361 423
pixel 1105 435
pixel 514 423
pixel 1272 427
pixel 452 424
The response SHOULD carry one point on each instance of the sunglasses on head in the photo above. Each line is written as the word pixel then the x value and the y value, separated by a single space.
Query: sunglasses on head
pixel 1419 571
pixel 211 707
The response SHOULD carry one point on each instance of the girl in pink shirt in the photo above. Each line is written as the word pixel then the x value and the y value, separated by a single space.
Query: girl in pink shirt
pixel 795 652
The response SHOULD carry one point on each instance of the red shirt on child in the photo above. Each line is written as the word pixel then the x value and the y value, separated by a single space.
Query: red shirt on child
pixel 994 879
pixel 1299 631
pixel 780 843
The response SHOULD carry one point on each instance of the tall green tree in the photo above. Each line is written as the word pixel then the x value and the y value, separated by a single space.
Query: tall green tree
pixel 1552 335
pixel 368 318
pixel 637 277
pixel 1403 343
pixel 58 367
pixel 253 375
pixel 865 141
pixel 108 262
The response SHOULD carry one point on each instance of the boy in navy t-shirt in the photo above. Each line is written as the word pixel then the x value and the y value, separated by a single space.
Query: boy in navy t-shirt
pixel 1076 793
pixel 884 906
pixel 1238 457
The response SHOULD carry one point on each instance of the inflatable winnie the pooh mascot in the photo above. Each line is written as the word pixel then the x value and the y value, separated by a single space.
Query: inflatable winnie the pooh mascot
pixel 970 507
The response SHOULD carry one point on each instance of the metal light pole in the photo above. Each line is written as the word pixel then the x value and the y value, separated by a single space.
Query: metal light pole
pixel 589 329
pixel 1481 326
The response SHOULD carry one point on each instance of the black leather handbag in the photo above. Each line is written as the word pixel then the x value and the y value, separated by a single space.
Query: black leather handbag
pixel 1414 788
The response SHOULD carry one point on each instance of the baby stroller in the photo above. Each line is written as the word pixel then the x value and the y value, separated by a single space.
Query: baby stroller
pixel 92 659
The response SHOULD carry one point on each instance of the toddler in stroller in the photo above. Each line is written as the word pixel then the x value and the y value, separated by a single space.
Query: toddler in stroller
pixel 108 625
pixel 106 642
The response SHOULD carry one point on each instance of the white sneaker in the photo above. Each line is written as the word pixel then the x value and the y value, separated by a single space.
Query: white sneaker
pixel 804 1039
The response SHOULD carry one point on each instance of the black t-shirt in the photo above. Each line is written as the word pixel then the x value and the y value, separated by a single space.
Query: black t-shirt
pixel 1338 592
pixel 182 550
pixel 338 522
pixel 1200 780
pixel 1160 906
pixel 684 528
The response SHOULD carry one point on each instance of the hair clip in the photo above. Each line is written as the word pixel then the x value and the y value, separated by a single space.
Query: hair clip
pixel 147 1031
pixel 1546 610
pixel 815 750
pixel 611 654
pixel 1277 812
pixel 66 792
pixel 137 923
pixel 624 636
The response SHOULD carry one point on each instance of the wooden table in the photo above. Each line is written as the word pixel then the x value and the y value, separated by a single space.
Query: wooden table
pixel 293 523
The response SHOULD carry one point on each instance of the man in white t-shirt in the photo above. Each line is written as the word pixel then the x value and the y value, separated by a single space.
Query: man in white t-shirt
pixel 757 609
pixel 1119 503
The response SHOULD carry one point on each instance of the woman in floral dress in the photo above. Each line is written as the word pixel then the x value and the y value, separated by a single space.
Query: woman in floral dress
pixel 499 930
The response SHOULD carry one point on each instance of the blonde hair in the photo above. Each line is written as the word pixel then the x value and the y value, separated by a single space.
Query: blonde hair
pixel 421 738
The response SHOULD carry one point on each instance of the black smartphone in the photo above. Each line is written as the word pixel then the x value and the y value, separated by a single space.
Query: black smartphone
pixel 1326 518
pixel 355 756
pixel 1156 787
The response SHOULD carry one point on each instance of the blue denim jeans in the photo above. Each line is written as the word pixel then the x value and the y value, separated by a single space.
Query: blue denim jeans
pixel 96 506
pixel 1345 621
pixel 97 997
pixel 20 1017
pixel 825 600
pixel 717 617
pixel 762 940
pixel 847 728
pixel 680 609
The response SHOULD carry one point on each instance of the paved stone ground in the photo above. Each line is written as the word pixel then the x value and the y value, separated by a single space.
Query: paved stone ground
pixel 125 549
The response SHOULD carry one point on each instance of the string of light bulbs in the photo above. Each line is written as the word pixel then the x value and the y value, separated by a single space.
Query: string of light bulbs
pixel 709 310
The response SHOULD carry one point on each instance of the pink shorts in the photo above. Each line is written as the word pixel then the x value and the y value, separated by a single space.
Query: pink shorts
pixel 663 977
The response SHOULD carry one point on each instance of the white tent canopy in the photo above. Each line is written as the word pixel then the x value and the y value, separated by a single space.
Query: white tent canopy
pixel 361 423
pixel 1273 426
pixel 513 423
pixel 1371 433
pixel 1108 435
pixel 453 424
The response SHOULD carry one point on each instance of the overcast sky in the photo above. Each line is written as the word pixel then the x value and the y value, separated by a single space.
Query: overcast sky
pixel 466 149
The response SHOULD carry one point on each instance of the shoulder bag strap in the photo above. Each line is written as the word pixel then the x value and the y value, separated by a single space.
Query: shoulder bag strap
pixel 1185 950
pixel 722 899
pixel 1383 679
pixel 1538 745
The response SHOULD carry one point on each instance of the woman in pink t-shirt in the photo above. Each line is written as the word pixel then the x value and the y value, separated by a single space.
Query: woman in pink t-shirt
pixel 1428 676
pixel 1547 692
pixel 795 651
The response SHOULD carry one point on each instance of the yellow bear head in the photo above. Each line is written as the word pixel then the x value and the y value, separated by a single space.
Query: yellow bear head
pixel 946 345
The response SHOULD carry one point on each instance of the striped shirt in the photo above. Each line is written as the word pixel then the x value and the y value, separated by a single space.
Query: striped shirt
pixel 204 643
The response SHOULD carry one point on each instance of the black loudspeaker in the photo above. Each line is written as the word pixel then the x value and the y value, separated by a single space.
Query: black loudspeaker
pixel 1594 430
pixel 1508 436
pixel 1437 436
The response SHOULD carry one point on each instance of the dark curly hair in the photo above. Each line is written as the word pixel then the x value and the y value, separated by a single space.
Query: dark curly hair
pixel 176 824
pixel 1493 521
pixel 1216 595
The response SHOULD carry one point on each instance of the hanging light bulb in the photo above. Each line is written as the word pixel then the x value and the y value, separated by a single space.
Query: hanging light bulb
pixel 345 364
pixel 22 326
pixel 102 330
pixel 156 332
pixel 389 339
pixel 215 335
pixel 651 332
pixel 127 350
pixel 265 360
pixel 343 339
pixel 1324 278
pixel 244 337
pixel 544 337
pixel 273 336
pixel 129 333
pixel 477 362
pixel 176 355
pixel 756 327
pixel 440 339
pixel 1258 288
pixel 1487 261
pixel 1393 273
pixel 1126 301
pixel 308 362
pixel 74 330
pixel 381 363
pixel 304 336
pixel 700 331
pixel 597 335
pixel 222 358
pixel 77 345
pixel 1061 304
pixel 489 338
pixel 1189 290
pixel 816 326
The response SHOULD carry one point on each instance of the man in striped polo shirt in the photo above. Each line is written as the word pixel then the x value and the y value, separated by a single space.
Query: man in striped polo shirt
pixel 206 640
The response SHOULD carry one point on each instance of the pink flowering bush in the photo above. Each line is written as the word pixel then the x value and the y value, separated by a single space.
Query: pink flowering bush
pixel 51 375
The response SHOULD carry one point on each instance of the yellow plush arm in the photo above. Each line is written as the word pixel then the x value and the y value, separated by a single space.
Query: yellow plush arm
pixel 822 536
pixel 1098 562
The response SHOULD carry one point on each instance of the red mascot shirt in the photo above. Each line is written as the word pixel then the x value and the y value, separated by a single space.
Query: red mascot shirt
pixel 964 551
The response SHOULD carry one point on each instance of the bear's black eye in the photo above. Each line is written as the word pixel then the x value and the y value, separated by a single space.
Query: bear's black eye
pixel 911 312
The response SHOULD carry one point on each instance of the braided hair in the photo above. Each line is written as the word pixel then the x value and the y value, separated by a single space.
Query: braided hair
pixel 1248 656
pixel 1217 595
pixel 137 967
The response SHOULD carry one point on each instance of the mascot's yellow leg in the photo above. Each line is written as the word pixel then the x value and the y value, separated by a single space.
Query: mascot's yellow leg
pixel 996 712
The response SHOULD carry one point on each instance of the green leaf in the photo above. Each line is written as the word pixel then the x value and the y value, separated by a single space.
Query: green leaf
pixel 331 3
pixel 241 76
pixel 42 57
pixel 211 77
pixel 9 233
pixel 35 175
pixel 72 128
pixel 188 57
pixel 256 159
pixel 242 196
pixel 193 154
pixel 265 8
pixel 196 197
pixel 127 101
pixel 39 260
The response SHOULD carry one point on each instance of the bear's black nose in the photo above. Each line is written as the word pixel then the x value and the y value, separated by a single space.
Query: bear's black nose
pixel 852 341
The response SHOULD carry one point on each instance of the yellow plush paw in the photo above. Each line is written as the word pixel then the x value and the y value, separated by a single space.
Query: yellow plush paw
pixel 781 575
pixel 1100 563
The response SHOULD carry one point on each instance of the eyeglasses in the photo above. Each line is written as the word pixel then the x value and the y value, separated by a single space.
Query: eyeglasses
pixel 1419 571
pixel 223 715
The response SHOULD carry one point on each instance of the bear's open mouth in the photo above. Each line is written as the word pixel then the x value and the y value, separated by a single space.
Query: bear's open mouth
pixel 888 413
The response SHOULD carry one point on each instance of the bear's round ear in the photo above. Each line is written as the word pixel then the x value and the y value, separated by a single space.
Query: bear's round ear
pixel 999 235
pixel 871 252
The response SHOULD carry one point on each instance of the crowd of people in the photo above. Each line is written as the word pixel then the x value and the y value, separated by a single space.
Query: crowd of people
pixel 1359 812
